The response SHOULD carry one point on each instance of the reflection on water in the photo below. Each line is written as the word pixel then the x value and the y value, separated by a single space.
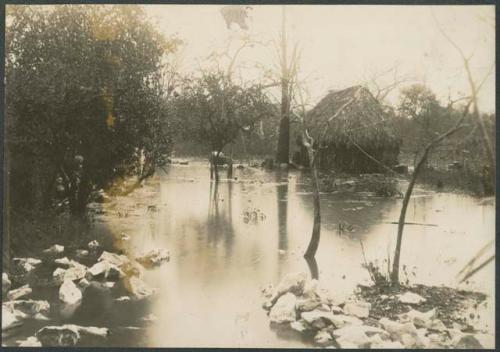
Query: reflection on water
pixel 209 293
pixel 281 197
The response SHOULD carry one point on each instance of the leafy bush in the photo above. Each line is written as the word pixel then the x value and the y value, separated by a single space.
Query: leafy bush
pixel 84 100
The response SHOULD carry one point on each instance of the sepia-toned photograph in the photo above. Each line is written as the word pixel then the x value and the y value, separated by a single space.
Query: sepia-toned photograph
pixel 249 176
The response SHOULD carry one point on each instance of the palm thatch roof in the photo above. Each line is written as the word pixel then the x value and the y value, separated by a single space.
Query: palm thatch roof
pixel 351 114
pixel 349 124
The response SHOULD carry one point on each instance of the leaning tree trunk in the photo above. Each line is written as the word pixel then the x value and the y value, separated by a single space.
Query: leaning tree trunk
pixel 406 199
pixel 313 267
pixel 316 232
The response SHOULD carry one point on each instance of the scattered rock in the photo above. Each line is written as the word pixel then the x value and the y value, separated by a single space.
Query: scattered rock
pixel 75 272
pixel 318 318
pixel 98 269
pixel 54 250
pixel 40 316
pixel 334 324
pixel 63 262
pixel 69 293
pixel 123 299
pixel 83 284
pixel 5 284
pixel 19 292
pixel 406 333
pixel 31 341
pixel 25 265
pixel 58 336
pixel 323 338
pixel 337 310
pixel 93 245
pixel 359 309
pixel 113 273
pixel 352 336
pixel 138 288
pixel 92 331
pixel 67 335
pixel 307 304
pixel 284 309
pixel 341 320
pixel 419 319
pixel 11 318
pixel 293 283
pixel 154 257
pixel 127 266
pixel 81 253
pixel 411 298
pixel 28 307
pixel 437 341
pixel 358 328
pixel 436 325
pixel 299 325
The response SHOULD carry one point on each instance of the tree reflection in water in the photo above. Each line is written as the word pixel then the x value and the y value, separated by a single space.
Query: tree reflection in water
pixel 220 216
pixel 282 199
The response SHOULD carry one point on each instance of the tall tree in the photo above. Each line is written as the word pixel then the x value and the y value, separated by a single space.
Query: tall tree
pixel 283 150
pixel 84 95
pixel 215 110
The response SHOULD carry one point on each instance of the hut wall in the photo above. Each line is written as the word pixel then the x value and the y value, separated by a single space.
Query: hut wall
pixel 350 159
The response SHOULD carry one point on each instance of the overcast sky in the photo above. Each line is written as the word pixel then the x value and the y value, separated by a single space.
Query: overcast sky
pixel 342 45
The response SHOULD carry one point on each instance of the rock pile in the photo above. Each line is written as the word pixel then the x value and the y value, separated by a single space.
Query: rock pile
pixel 300 305
pixel 72 279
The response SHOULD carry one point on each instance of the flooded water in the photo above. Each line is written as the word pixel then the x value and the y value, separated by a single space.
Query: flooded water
pixel 228 241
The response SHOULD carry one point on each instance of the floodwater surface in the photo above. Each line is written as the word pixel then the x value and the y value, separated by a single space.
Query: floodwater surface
pixel 228 241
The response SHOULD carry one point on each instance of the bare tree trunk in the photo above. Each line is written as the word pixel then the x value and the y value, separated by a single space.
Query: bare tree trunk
pixel 406 200
pixel 316 232
pixel 282 155
pixel 284 137
pixel 313 267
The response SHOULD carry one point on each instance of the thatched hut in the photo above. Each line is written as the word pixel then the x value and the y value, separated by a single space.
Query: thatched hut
pixel 348 120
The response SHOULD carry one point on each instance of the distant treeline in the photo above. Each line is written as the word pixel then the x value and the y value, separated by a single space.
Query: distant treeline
pixel 91 99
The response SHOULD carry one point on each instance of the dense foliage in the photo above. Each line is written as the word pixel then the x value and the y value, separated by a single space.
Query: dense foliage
pixel 84 99
pixel 215 111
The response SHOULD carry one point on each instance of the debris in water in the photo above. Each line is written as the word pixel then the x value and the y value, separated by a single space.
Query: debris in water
pixel 154 257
